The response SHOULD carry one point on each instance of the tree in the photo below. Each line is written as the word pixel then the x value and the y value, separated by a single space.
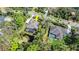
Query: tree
pixel 59 45
pixel 19 18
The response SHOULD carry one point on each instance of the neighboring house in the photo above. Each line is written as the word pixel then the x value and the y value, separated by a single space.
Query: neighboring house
pixel 57 32
pixel 5 19
pixel 2 18
pixel 1 34
pixel 8 19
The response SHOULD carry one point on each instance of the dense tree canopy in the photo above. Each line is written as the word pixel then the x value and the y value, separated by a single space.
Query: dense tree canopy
pixel 18 38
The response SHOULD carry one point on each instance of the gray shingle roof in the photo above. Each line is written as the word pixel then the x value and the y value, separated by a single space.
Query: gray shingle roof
pixel 32 24
pixel 59 32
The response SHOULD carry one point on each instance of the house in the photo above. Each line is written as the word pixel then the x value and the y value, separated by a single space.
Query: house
pixel 1 32
pixel 32 26
pixel 5 19
pixel 56 32
pixel 8 19
pixel 2 18
pixel 32 23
